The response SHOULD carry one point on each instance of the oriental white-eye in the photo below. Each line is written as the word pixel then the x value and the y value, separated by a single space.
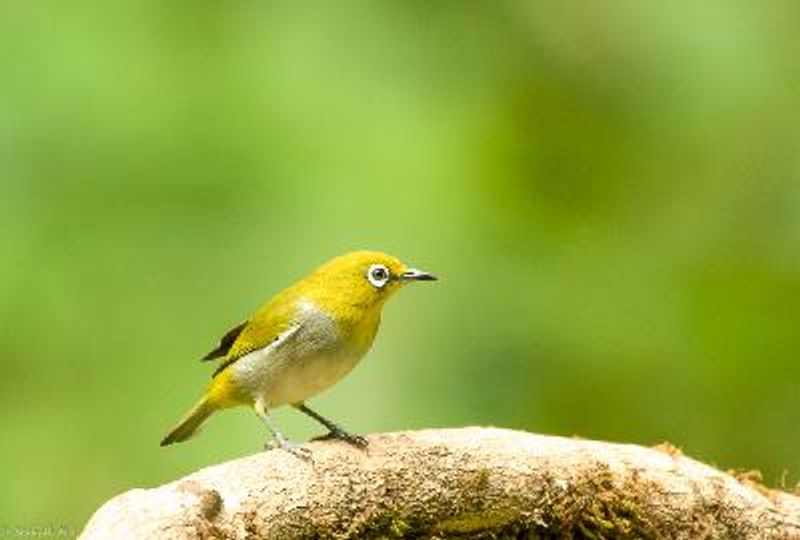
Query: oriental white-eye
pixel 301 342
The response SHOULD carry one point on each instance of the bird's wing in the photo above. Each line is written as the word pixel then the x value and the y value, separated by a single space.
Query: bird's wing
pixel 226 342
pixel 268 325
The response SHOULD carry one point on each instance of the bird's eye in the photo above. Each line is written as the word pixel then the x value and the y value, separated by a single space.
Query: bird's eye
pixel 378 275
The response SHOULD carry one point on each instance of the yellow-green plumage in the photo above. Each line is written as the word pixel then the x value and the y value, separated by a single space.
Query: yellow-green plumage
pixel 303 340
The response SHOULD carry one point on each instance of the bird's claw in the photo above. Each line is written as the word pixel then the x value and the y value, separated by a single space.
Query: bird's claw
pixel 299 452
pixel 293 448
pixel 356 440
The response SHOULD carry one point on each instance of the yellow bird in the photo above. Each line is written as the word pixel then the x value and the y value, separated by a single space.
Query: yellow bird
pixel 301 342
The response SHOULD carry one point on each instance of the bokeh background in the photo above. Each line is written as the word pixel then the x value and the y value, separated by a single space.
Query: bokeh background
pixel 609 190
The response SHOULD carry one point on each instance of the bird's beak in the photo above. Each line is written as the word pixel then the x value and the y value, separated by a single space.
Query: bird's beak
pixel 412 274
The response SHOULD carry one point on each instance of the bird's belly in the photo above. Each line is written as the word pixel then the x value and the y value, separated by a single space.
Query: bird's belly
pixel 300 378
pixel 287 376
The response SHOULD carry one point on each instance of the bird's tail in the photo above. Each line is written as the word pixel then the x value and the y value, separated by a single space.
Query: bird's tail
pixel 192 422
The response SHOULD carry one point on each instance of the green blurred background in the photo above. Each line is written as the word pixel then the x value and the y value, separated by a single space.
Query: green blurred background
pixel 610 191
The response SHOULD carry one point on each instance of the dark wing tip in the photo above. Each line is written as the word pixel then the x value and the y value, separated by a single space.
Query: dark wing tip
pixel 216 353
pixel 225 343
pixel 169 439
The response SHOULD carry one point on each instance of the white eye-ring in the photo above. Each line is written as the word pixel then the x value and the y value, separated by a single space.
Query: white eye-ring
pixel 378 275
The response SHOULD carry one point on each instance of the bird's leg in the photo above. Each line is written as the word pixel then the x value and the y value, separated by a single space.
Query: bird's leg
pixel 335 431
pixel 278 440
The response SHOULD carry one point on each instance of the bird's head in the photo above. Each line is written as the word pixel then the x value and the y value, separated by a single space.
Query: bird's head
pixel 365 278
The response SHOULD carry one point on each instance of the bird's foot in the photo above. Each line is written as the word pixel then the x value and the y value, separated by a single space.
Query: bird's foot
pixel 356 440
pixel 291 447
